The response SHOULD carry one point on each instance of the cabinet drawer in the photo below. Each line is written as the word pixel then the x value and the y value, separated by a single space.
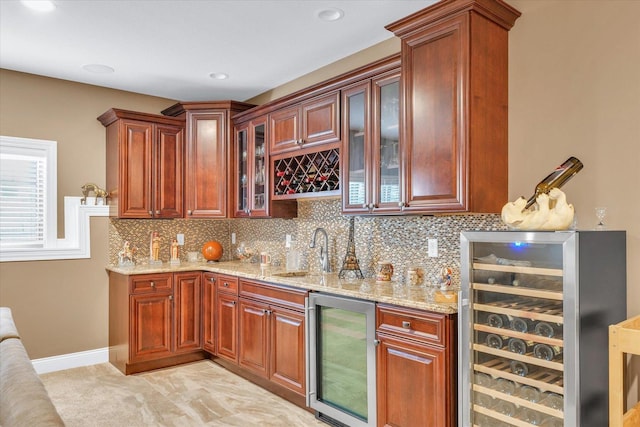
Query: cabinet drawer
pixel 413 324
pixel 148 283
pixel 293 298
pixel 227 284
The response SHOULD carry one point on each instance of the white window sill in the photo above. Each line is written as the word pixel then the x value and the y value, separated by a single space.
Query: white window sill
pixel 76 243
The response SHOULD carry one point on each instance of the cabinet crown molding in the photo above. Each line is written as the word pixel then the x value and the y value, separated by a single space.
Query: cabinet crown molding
pixel 495 10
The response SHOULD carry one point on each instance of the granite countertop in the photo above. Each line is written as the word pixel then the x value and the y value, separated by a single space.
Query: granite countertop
pixel 419 297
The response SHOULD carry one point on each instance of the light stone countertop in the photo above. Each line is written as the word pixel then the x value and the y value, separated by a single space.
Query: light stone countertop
pixel 367 289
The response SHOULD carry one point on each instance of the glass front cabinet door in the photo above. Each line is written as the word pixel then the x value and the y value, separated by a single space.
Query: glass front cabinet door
pixel 370 150
pixel 251 163
pixel 534 314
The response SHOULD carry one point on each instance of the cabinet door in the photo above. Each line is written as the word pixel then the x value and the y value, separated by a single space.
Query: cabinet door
pixel 254 336
pixel 321 120
pixel 206 165
pixel 188 288
pixel 412 389
pixel 167 170
pixel 260 179
pixel 136 143
pixel 242 170
pixel 151 326
pixel 227 326
pixel 208 312
pixel 434 67
pixel 287 364
pixel 285 129
pixel 385 163
pixel 356 148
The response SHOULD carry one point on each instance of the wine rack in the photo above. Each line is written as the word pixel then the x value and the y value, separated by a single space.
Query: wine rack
pixel 316 173
pixel 523 318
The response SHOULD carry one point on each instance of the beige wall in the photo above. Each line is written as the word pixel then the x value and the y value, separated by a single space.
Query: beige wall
pixel 61 306
pixel 574 90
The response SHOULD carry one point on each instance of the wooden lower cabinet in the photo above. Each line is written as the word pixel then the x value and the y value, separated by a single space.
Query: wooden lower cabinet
pixel 209 312
pixel 415 368
pixel 226 318
pixel 154 320
pixel 272 334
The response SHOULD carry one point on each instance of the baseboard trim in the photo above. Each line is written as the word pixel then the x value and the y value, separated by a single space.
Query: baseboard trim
pixel 71 360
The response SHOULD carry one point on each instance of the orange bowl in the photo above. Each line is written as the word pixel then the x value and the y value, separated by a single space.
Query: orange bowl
pixel 212 251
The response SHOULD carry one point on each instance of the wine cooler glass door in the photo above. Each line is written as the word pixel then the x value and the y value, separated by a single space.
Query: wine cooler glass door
pixel 513 303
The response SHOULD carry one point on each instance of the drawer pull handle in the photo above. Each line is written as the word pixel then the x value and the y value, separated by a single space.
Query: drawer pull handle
pixel 153 284
pixel 406 324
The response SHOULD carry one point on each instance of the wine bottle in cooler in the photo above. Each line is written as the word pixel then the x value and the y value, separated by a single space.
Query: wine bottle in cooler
pixel 523 325
pixel 549 330
pixel 546 351
pixel 520 346
pixel 556 179
pixel 495 341
pixel 496 320
pixel 521 368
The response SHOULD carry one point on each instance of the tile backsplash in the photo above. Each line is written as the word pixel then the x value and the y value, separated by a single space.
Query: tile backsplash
pixel 401 240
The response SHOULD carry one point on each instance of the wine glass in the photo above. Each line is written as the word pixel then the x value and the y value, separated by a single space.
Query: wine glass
pixel 601 213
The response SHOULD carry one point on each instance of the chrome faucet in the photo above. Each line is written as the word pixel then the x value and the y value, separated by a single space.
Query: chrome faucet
pixel 324 250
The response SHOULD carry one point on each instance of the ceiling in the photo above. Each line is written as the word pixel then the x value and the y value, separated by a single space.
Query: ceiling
pixel 169 48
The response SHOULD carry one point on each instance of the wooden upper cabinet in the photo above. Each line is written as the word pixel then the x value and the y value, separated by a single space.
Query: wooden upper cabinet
pixel 144 164
pixel 454 126
pixel 312 122
pixel 207 155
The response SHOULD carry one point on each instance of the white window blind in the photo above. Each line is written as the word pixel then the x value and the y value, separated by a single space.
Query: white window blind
pixel 27 193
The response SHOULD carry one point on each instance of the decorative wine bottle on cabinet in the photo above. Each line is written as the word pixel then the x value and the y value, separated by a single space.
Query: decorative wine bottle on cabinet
pixel 556 179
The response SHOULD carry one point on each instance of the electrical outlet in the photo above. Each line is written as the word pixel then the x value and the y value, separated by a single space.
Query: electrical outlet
pixel 433 247
pixel 233 238
pixel 287 240
pixel 180 239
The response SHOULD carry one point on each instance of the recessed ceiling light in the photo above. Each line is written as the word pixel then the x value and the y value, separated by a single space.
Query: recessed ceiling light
pixel 219 76
pixel 330 14
pixel 39 5
pixel 98 68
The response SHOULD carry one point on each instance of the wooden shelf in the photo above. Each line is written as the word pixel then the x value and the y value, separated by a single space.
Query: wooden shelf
pixel 542 380
pixel 528 358
pixel 516 269
pixel 515 334
pixel 518 401
pixel 624 338
pixel 518 290
pixel 524 309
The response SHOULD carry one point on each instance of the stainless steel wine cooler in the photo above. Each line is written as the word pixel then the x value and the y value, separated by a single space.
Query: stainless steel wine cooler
pixel 534 314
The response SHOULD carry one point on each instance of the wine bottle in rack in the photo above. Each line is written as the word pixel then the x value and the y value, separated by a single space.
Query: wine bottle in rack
pixel 521 368
pixel 552 422
pixel 552 400
pixel 494 341
pixel 556 179
pixel 506 386
pixel 523 325
pixel 546 351
pixel 496 320
pixel 520 346
pixel 529 393
pixel 505 407
pixel 549 330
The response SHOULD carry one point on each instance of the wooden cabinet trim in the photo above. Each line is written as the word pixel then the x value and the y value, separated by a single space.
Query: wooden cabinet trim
pixel 273 294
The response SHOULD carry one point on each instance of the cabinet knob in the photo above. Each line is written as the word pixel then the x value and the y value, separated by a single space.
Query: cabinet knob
pixel 225 284
pixel 406 324
pixel 365 206
pixel 300 141
pixel 269 312
pixel 150 213
pixel 212 279
pixel 170 297
pixel 152 284
pixel 189 212
pixel 233 303
pixel 376 342
pixel 157 212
